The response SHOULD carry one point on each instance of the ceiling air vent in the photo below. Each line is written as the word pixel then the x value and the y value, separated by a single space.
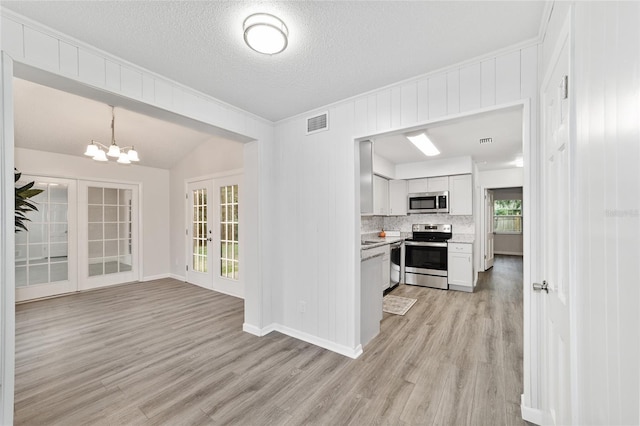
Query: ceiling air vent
pixel 319 123
pixel 486 140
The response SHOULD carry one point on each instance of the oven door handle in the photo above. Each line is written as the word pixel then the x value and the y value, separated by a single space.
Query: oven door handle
pixel 424 244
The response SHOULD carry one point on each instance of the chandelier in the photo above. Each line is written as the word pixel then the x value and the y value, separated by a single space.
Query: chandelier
pixel 100 152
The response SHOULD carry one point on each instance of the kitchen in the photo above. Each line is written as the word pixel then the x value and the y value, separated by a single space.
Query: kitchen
pixel 421 222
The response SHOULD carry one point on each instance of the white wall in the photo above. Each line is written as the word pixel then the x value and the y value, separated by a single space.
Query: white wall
pixel 607 212
pixel 320 227
pixel 504 178
pixel 209 158
pixel 154 203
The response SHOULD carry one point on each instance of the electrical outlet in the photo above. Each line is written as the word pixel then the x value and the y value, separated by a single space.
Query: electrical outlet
pixel 302 306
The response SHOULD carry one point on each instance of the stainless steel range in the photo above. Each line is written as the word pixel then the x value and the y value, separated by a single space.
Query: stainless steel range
pixel 426 256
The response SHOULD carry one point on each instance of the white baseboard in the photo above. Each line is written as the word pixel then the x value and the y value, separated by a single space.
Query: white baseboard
pixel 178 277
pixel 257 331
pixel 155 277
pixel 323 343
pixel 300 335
pixel 532 415
pixel 509 253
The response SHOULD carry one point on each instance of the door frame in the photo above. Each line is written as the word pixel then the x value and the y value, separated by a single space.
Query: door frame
pixel 7 242
pixel 72 241
pixel 136 255
pixel 187 224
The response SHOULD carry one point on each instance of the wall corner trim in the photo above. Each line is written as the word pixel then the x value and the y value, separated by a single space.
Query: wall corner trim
pixel 257 331
pixel 531 415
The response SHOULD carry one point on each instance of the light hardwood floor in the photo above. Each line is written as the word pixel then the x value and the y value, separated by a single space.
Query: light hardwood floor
pixel 165 352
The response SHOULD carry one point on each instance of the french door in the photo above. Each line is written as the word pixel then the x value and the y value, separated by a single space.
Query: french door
pixel 46 254
pixel 108 234
pixel 200 233
pixel 213 235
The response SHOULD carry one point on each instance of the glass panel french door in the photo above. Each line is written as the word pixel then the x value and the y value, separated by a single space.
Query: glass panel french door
pixel 199 234
pixel 228 276
pixel 46 254
pixel 108 234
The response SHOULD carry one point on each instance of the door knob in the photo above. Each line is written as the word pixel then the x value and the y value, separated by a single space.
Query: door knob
pixel 541 287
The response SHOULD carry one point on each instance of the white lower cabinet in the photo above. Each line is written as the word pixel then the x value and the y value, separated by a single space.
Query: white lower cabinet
pixel 460 269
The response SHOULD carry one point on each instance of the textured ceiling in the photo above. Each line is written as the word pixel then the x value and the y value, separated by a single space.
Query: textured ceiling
pixel 336 49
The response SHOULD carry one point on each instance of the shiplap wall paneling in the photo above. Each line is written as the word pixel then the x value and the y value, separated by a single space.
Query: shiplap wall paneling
pixel 437 96
pixel 488 82
pixel 148 89
pixel 396 107
pixel 372 113
pixel 12 38
pixel 41 49
pixel 470 88
pixel 383 108
pixel 408 104
pixel 453 92
pixel 423 100
pixel 112 76
pixel 177 98
pixel 361 116
pixel 68 59
pixel 507 77
pixel 131 83
pixel 91 68
pixel 163 93
pixel 346 211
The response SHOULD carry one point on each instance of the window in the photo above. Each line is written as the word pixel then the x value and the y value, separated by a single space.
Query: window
pixel 229 232
pixel 507 216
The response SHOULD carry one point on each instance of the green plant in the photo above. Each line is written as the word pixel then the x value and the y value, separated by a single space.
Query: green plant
pixel 23 205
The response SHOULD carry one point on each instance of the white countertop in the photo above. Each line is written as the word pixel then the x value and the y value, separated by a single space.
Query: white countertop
pixel 462 238
pixel 380 242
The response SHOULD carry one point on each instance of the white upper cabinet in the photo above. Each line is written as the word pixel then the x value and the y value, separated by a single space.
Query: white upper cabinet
pixel 433 184
pixel 380 196
pixel 461 195
pixel 398 197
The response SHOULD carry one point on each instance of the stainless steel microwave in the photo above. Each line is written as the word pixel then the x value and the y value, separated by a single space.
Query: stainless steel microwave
pixel 428 202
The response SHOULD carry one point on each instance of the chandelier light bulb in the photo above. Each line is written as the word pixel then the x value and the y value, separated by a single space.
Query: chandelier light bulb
pixel 133 155
pixel 124 158
pixel 92 150
pixel 100 156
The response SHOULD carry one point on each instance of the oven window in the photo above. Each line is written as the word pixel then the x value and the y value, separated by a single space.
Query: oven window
pixel 426 257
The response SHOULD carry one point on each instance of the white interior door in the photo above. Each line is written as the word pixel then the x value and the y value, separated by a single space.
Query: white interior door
pixel 46 254
pixel 227 269
pixel 200 233
pixel 557 211
pixel 108 228
pixel 489 229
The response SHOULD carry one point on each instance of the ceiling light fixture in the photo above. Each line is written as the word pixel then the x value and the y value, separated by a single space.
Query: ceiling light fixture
pixel 99 152
pixel 424 144
pixel 265 33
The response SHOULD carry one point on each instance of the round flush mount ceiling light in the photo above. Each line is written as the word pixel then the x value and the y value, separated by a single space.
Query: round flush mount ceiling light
pixel 265 33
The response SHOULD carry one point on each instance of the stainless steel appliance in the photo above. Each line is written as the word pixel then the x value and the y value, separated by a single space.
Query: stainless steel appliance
pixel 428 202
pixel 396 264
pixel 425 261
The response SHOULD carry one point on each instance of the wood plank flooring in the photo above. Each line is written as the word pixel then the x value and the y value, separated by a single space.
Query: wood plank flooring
pixel 168 353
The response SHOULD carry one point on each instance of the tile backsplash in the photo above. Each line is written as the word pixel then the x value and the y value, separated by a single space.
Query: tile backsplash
pixel 370 224
pixel 460 224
